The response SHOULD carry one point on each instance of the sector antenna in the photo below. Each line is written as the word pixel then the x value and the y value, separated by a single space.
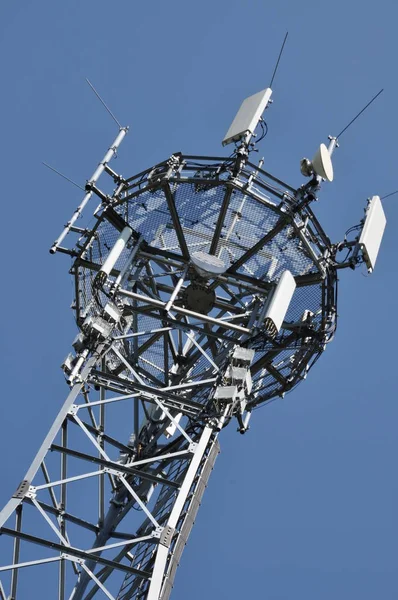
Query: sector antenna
pixel 205 287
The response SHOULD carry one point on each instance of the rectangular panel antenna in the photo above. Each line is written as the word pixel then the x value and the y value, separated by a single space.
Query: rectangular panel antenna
pixel 247 117
pixel 372 232
pixel 278 304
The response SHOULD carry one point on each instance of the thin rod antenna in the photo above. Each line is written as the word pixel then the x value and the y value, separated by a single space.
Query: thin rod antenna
pixel 279 57
pixel 62 175
pixel 359 114
pixel 388 195
pixel 103 103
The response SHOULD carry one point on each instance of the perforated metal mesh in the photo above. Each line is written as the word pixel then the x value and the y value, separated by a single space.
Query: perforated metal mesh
pixel 248 219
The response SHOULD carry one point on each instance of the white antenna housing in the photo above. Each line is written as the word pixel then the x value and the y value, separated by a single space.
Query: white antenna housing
pixel 114 254
pixel 322 163
pixel 372 232
pixel 279 303
pixel 247 117
pixel 208 265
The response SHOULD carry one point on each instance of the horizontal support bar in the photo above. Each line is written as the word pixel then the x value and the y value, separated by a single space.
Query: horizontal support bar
pixel 142 333
pixel 130 541
pixel 69 480
pixel 184 311
pixel 272 177
pixel 73 552
pixel 184 326
pixel 113 466
pixel 108 401
pixel 57 512
pixel 31 563
pixel 151 391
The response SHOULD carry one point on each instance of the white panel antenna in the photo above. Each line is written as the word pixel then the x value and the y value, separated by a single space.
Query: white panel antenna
pixel 113 255
pixel 248 117
pixel 372 232
pixel 279 303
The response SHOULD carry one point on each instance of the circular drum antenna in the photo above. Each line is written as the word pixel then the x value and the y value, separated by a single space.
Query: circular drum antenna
pixel 208 265
pixel 322 163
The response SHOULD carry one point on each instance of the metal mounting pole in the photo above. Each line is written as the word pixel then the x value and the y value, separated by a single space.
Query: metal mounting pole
pixel 94 178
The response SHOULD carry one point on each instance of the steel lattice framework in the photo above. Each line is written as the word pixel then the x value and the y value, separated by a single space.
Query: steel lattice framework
pixel 166 356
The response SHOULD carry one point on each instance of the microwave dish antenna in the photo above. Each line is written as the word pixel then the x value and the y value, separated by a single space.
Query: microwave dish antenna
pixel 320 165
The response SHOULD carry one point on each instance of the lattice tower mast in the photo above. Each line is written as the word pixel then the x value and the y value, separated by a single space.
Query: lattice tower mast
pixel 205 288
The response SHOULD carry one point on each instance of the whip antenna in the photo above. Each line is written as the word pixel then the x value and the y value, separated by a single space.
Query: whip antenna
pixel 388 195
pixel 359 114
pixel 62 175
pixel 279 58
pixel 103 103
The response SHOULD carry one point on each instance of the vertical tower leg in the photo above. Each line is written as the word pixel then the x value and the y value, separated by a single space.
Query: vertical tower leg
pixel 177 517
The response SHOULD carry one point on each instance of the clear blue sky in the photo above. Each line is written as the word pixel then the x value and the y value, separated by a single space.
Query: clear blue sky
pixel 304 505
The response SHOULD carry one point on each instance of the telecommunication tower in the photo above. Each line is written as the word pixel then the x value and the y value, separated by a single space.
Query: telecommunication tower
pixel 204 288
